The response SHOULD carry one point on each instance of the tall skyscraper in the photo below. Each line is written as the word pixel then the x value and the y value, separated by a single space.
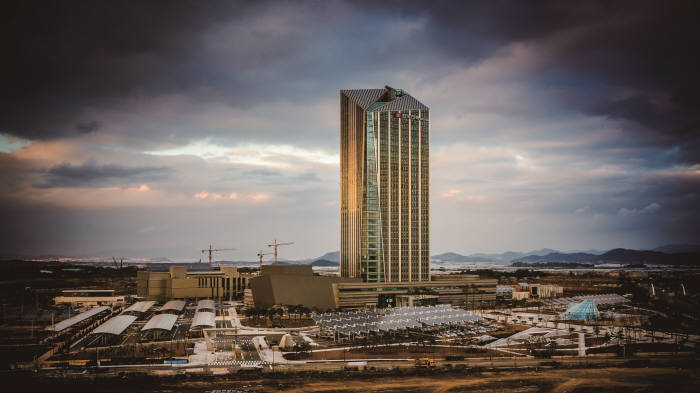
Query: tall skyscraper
pixel 384 181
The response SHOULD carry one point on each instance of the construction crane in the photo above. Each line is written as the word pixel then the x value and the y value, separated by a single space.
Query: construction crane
pixel 118 265
pixel 275 245
pixel 212 250
pixel 261 255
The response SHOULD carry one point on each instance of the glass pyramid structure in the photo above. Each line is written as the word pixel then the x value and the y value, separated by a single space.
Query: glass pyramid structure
pixel 584 311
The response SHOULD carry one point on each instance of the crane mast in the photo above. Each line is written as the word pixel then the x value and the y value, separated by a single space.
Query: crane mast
pixel 211 250
pixel 260 255
pixel 275 245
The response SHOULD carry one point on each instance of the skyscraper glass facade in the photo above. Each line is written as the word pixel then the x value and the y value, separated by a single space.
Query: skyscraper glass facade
pixel 384 168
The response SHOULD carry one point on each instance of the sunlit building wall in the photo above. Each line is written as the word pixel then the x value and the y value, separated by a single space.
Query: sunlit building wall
pixel 384 172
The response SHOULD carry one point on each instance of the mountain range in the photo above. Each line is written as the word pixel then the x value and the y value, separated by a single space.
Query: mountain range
pixel 673 254
pixel 686 256
pixel 505 257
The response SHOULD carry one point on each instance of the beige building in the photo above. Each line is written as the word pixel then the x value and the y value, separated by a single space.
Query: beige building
pixel 89 297
pixel 179 283
pixel 521 295
pixel 416 300
pixel 550 290
pixel 293 285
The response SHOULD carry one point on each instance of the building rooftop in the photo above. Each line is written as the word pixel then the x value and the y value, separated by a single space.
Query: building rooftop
pixel 161 322
pixel 76 319
pixel 174 305
pixel 205 304
pixel 203 318
pixel 386 99
pixel 115 325
pixel 141 306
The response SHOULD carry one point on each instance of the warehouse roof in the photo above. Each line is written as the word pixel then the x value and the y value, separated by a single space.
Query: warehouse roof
pixel 175 305
pixel 76 319
pixel 203 318
pixel 161 321
pixel 205 303
pixel 115 325
pixel 140 306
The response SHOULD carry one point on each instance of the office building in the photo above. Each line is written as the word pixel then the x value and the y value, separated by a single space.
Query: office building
pixel 384 186
pixel 89 297
pixel 292 285
pixel 226 283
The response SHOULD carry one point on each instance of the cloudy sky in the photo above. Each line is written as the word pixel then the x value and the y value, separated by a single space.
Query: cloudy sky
pixel 156 128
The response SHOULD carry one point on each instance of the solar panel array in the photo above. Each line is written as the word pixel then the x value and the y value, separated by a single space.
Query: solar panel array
pixel 357 322
pixel 608 298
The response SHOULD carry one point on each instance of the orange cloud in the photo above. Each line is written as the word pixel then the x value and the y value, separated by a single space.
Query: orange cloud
pixel 260 197
pixel 450 193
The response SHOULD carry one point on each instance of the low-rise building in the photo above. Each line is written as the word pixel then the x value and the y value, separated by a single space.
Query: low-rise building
pixel 178 283
pixel 504 292
pixel 521 295
pixel 550 290
pixel 416 300
pixel 89 297
pixel 292 285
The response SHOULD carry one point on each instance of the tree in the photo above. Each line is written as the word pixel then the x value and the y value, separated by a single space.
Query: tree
pixel 302 348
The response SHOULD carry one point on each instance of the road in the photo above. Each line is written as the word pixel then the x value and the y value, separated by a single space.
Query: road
pixel 379 365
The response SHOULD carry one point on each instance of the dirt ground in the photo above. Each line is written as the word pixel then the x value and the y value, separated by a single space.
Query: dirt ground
pixel 604 380
pixel 403 353
pixel 579 381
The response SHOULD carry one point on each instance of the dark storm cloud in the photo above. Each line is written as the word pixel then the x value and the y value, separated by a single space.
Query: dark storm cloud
pixel 60 57
pixel 91 174
pixel 88 127
pixel 645 51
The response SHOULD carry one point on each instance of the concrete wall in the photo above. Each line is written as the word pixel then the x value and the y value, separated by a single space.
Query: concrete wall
pixel 287 289
pixel 295 270
pixel 292 285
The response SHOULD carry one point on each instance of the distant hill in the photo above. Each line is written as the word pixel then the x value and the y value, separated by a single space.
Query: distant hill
pixel 324 263
pixel 454 257
pixel 565 265
pixel 333 256
pixel 622 255
pixel 678 248
pixel 505 257
pixel 577 257
pixel 618 255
